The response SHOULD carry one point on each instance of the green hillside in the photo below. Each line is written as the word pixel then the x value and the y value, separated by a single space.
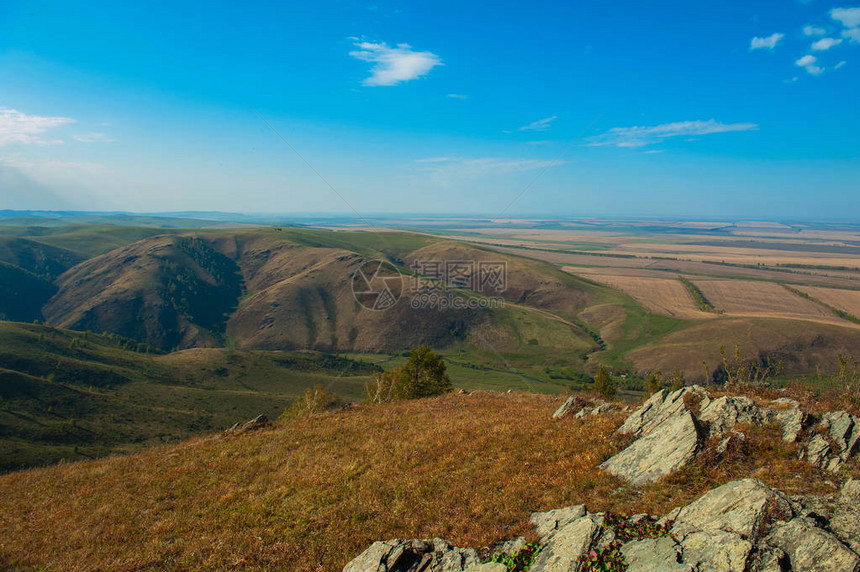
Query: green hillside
pixel 73 395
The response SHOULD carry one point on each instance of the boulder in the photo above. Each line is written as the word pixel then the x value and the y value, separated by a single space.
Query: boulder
pixel 546 523
pixel 664 449
pixel 738 507
pixel 435 555
pixel 660 407
pixel 716 550
pixel 725 412
pixel 563 548
pixel 653 555
pixel 845 523
pixel 257 422
pixel 812 549
pixel 791 418
pixel 579 407
pixel 837 440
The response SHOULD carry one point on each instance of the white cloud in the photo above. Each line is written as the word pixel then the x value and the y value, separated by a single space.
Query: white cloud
pixel 769 42
pixel 23 129
pixel 825 44
pixel 458 96
pixel 848 17
pixel 840 64
pixel 539 125
pixel 394 65
pixel 640 136
pixel 94 138
pixel 852 34
pixel 808 63
pixel 813 31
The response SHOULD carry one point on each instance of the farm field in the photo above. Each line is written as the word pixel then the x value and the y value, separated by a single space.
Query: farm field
pixel 763 299
pixel 844 300
pixel 659 293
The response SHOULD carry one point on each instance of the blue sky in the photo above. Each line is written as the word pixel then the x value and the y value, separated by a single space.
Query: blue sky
pixel 740 109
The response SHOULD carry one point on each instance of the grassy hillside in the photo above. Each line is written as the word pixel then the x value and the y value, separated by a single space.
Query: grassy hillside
pixel 71 395
pixel 314 492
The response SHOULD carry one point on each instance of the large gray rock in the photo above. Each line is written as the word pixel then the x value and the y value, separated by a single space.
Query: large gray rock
pixel 845 523
pixel 811 549
pixel 837 441
pixel 659 407
pixel 791 418
pixel 716 550
pixel 738 507
pixel 546 523
pixel 725 412
pixel 662 450
pixel 654 555
pixel 563 548
pixel 434 555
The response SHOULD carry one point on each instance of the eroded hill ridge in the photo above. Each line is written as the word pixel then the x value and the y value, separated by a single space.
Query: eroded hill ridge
pixel 740 526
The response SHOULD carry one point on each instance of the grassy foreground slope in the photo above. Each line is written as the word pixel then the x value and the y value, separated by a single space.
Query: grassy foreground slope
pixel 71 395
pixel 314 492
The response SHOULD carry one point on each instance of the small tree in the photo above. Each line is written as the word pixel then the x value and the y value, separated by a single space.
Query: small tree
pixel 654 383
pixel 423 375
pixel 604 385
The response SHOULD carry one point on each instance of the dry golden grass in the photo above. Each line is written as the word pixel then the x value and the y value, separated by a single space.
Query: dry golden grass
pixel 657 293
pixel 313 493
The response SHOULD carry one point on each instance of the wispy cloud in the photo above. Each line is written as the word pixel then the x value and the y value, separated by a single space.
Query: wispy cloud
pixel 394 65
pixel 539 125
pixel 23 129
pixel 840 65
pixel 458 96
pixel 808 62
pixel 825 44
pixel 813 31
pixel 848 17
pixel 94 138
pixel 640 136
pixel 769 42
pixel 463 167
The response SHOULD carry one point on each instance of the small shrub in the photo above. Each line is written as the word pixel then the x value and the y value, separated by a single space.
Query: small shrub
pixel 522 560
pixel 314 401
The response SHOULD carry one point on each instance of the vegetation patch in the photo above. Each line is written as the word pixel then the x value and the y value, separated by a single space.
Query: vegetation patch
pixel 698 297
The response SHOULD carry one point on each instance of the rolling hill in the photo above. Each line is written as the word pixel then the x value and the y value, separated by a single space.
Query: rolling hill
pixel 73 395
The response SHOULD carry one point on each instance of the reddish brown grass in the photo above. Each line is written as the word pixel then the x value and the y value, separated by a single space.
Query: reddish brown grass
pixel 314 492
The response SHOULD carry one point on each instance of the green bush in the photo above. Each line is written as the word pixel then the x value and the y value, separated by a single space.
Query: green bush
pixel 423 375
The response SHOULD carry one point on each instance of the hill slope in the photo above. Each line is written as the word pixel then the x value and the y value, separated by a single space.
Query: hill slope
pixel 69 395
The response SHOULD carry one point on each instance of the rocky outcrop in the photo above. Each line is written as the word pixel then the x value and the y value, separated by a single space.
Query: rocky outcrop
pixel 665 449
pixel 835 441
pixel 579 407
pixel 435 555
pixel 671 427
pixel 257 422
pixel 741 526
